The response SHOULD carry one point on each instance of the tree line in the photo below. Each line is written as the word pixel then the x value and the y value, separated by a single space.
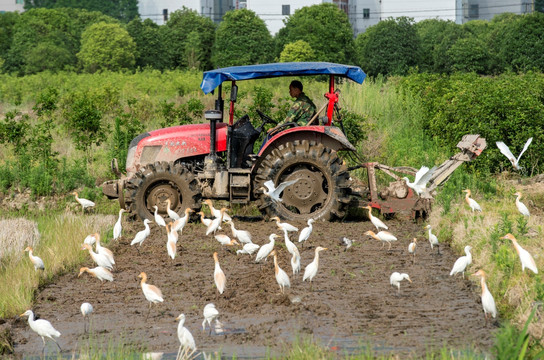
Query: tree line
pixel 75 39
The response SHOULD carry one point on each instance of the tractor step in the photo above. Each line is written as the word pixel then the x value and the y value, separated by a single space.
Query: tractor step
pixel 240 185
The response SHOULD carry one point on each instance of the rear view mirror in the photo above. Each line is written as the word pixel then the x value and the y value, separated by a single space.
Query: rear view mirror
pixel 233 93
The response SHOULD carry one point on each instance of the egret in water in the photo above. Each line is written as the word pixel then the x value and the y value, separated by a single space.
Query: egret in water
pixel 412 249
pixel 383 236
pixel 171 213
pixel 462 262
pixel 36 261
pixel 152 293
pixel 521 206
pixel 83 202
pixel 311 269
pixel 471 202
pixel 99 259
pixel 281 276
pixel 375 221
pixel 265 250
pixel 98 272
pixel 43 328
pixel 186 340
pixel 159 220
pixel 210 314
pixel 118 228
pixel 433 239
pixel 488 303
pixel 86 310
pixel 396 278
pixel 274 192
pixel 423 175
pixel 249 248
pixel 506 152
pixel 142 235
pixel 284 226
pixel 306 232
pixel 525 257
pixel 180 223
pixel 216 212
pixel 218 275
pixel 242 235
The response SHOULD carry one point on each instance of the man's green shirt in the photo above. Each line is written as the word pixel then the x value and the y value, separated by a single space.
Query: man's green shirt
pixel 302 110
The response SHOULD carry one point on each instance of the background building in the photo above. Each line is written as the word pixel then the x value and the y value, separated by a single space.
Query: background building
pixel 11 5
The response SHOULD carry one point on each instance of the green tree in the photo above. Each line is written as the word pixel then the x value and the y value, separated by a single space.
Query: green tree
pixel 150 45
pixel 124 10
pixel 7 25
pixel 324 27
pixel 389 47
pixel 300 50
pixel 436 38
pixel 241 39
pixel 106 47
pixel 469 54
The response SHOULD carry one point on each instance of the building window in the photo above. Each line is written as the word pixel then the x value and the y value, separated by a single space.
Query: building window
pixel 165 15
pixel 20 1
pixel 366 13
pixel 473 11
pixel 286 9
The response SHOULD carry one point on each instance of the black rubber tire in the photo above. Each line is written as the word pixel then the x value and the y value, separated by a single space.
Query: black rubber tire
pixel 160 181
pixel 323 192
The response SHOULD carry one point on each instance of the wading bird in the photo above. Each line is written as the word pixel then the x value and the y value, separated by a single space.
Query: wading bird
pixel 83 202
pixel 311 269
pixel 471 202
pixel 295 262
pixel 152 293
pixel 171 213
pixel 412 249
pixel 218 275
pixel 102 250
pixel 281 276
pixel 383 236
pixel 488 303
pixel 284 226
pixel 249 248
pixel 396 278
pixel 291 247
pixel 346 242
pixel 462 262
pixel 89 239
pixel 210 314
pixel 142 235
pixel 265 250
pixel 203 220
pixel 99 259
pixel 506 152
pixel 274 192
pixel 433 239
pixel 186 340
pixel 36 261
pixel 180 223
pixel 375 221
pixel 521 206
pixel 118 228
pixel 525 257
pixel 214 226
pixel 225 240
pixel 242 235
pixel 98 272
pixel 171 241
pixel 306 232
pixel 423 175
pixel 43 328
pixel 86 310
pixel 159 220
pixel 216 212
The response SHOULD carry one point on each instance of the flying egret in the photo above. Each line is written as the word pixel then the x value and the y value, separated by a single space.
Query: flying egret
pixel 488 303
pixel 383 236
pixel 102 250
pixel 142 235
pixel 36 261
pixel 506 152
pixel 218 275
pixel 265 250
pixel 396 278
pixel 171 241
pixel 186 340
pixel 159 220
pixel 118 228
pixel 274 192
pixel 212 228
pixel 210 314
pixel 412 249
pixel 433 239
pixel 281 276
pixel 225 240
pixel 248 248
pixel 171 213
pixel 284 226
pixel 306 232
pixel 471 202
pixel 86 310
pixel 216 212
pixel 180 223
pixel 152 293
pixel 462 262
pixel 83 202
pixel 99 259
pixel 521 206
pixel 242 235
pixel 423 175
pixel 346 242
pixel 375 221
pixel 98 272
pixel 311 269
pixel 43 328
pixel 525 257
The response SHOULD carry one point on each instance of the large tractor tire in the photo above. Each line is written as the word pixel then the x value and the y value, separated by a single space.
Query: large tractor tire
pixel 156 183
pixel 321 191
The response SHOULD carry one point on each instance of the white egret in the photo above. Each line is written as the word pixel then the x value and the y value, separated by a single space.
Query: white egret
pixel 210 314
pixel 284 226
pixel 180 223
pixel 186 340
pixel 142 235
pixel 89 239
pixel 218 275
pixel 205 222
pixel 265 250
pixel 99 259
pixel 471 202
pixel 306 232
pixel 433 240
pixel 118 227
pixel 488 303
pixel 383 236
pixel 506 152
pixel 83 202
pixel 274 192
pixel 225 240
pixel 43 328
pixel 291 247
pixel 249 248
pixel 346 242
pixel 159 220
pixel 525 257
pixel 412 249
pixel 521 206
pixel 295 262
pixel 462 262
pixel 242 235
pixel 152 293
pixel 375 221
pixel 102 250
pixel 214 226
pixel 36 261
pixel 281 276
pixel 396 278
pixel 86 310
pixel 171 213
pixel 98 272
pixel 216 212
pixel 423 175
pixel 171 241
pixel 311 269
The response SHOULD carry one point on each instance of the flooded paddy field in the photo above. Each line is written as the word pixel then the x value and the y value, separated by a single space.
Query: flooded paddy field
pixel 349 304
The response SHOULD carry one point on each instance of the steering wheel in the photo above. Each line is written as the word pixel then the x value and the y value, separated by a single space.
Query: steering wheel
pixel 266 118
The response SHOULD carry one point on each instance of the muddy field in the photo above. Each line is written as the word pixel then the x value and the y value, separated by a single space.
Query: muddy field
pixel 349 304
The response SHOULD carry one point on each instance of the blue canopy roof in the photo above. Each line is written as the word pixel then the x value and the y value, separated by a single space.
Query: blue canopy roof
pixel 214 78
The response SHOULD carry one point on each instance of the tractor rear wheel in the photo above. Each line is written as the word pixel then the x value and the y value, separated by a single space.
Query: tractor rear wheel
pixel 156 183
pixel 321 191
